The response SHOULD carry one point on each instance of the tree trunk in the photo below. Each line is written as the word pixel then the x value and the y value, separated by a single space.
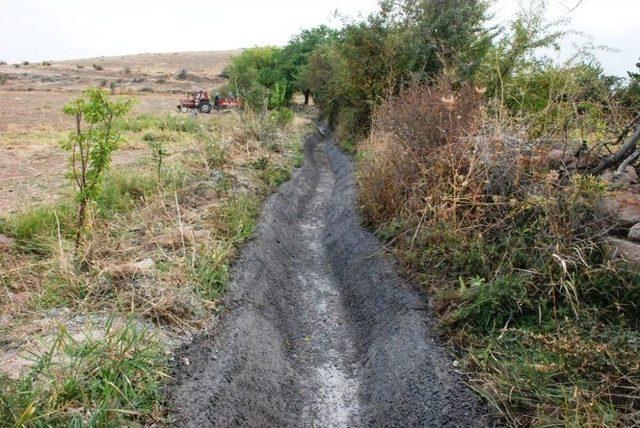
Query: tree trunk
pixel 625 151
pixel 82 213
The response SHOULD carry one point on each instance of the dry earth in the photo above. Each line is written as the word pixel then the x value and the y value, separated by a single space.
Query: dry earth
pixel 32 122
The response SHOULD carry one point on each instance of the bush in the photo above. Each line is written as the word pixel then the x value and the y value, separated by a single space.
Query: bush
pixel 47 63
pixel 149 137
pixel 282 118
pixel 139 123
pixel 511 251
pixel 215 155
pixel 182 74
pixel 3 79
pixel 97 67
pixel 237 217
pixel 211 271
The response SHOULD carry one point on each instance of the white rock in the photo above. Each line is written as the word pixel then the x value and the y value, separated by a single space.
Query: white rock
pixel 629 176
pixel 146 265
pixel 622 207
pixel 634 232
pixel 622 249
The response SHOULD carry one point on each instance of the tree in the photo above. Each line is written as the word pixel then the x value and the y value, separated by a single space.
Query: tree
pixel 515 50
pixel 440 35
pixel 253 74
pixel 92 146
pixel 631 94
pixel 295 57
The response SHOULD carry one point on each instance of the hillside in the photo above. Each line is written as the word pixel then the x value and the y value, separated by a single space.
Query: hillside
pixel 162 73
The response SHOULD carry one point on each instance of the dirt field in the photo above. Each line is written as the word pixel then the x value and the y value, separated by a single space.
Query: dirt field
pixel 32 122
pixel 42 111
pixel 146 73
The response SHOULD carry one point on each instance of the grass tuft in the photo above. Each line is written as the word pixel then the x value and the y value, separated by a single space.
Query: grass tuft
pixel 111 381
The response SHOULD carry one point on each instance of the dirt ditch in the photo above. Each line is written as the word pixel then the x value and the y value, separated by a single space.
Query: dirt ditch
pixel 319 330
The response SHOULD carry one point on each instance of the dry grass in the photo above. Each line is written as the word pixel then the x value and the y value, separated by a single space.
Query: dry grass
pixel 132 74
pixel 189 221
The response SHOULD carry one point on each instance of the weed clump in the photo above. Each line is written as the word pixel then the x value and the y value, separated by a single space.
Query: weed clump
pixel 113 380
pixel 97 67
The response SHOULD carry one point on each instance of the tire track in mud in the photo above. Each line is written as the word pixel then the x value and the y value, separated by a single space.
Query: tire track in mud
pixel 319 330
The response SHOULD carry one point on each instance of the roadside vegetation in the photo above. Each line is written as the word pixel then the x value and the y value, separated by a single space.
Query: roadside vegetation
pixel 99 285
pixel 485 165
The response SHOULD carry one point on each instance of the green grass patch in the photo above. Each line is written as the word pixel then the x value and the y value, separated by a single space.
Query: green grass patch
pixel 108 381
pixel 36 230
pixel 121 191
pixel 238 216
pixel 273 176
pixel 145 122
pixel 211 271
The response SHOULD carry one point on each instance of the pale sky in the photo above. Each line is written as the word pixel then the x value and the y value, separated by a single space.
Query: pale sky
pixel 36 30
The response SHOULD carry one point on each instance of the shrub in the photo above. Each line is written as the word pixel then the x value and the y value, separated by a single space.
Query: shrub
pixel 139 123
pixel 158 153
pixel 237 217
pixel 97 67
pixel 182 74
pixel 47 63
pixel 215 155
pixel 3 79
pixel 273 176
pixel 211 271
pixel 25 63
pixel 511 251
pixel 282 118
pixel 127 70
pixel 3 63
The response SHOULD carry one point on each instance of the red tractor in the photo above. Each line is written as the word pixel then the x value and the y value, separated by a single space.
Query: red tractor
pixel 199 100
pixel 230 101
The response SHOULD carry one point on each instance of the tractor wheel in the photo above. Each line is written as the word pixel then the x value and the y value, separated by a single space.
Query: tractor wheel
pixel 184 109
pixel 206 108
